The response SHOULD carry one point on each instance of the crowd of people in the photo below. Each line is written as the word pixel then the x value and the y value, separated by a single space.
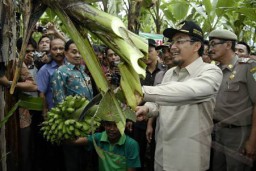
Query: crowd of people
pixel 198 110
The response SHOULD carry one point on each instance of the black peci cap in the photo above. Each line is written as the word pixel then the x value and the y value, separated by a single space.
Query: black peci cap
pixel 187 27
pixel 164 45
pixel 151 42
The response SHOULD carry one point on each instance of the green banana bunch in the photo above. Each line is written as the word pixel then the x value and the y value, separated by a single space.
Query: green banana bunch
pixel 62 121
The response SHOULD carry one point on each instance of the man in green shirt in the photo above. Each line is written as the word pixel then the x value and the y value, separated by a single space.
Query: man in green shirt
pixel 121 153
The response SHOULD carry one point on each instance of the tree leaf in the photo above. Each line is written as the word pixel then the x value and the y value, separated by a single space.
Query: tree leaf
pixel 221 5
pixel 208 5
pixel 169 15
pixel 250 13
pixel 180 10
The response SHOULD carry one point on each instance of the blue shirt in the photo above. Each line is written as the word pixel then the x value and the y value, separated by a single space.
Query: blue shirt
pixel 70 80
pixel 119 156
pixel 43 81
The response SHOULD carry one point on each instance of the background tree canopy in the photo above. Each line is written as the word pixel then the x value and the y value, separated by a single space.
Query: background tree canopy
pixel 153 16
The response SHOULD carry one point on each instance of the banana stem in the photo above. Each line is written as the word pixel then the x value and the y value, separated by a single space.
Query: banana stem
pixel 26 14
pixel 31 14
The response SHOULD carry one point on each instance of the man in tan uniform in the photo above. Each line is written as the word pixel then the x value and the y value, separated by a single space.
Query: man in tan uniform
pixel 235 113
pixel 185 101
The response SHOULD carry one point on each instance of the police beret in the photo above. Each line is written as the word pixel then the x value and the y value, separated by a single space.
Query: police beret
pixel 223 34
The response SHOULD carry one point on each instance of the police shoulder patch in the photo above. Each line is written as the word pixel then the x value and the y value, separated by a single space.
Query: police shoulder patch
pixel 253 70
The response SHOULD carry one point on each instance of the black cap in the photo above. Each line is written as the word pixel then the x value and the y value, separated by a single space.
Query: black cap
pixel 187 27
pixel 151 42
pixel 166 44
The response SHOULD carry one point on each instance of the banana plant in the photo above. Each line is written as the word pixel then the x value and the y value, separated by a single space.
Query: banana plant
pixel 83 19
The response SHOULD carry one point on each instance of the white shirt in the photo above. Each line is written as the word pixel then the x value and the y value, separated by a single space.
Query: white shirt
pixel 185 101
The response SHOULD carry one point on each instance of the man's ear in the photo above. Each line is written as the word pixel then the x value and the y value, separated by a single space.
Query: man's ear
pixel 197 46
pixel 229 44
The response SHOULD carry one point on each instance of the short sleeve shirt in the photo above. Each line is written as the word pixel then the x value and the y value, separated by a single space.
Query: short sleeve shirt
pixel 124 153
pixel 70 80
pixel 237 94
pixel 43 81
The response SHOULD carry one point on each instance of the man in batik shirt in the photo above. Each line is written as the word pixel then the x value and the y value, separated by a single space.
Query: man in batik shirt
pixel 70 79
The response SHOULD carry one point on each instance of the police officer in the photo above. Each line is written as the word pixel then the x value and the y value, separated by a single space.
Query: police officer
pixel 235 112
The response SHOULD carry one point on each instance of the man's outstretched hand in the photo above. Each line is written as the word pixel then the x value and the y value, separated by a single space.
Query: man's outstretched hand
pixel 141 113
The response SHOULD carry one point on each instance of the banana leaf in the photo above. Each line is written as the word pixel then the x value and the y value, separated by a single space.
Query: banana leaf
pixel 30 103
pixel 10 113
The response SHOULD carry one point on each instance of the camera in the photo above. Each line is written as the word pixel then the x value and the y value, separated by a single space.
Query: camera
pixel 115 79
pixel 42 29
pixel 37 55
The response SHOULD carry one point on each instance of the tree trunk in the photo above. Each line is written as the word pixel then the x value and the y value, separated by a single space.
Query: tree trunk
pixel 157 17
pixel 158 23
pixel 3 166
pixel 9 133
pixel 8 31
pixel 12 128
pixel 134 15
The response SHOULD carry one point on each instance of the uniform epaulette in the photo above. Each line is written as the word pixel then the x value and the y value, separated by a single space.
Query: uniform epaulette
pixel 251 60
pixel 246 60
pixel 253 70
pixel 215 63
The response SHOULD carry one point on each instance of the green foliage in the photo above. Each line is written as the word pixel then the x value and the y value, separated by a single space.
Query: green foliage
pixel 176 10
pixel 180 10
pixel 210 14
pixel 169 15
pixel 250 13
pixel 115 6
pixel 221 5
pixel 30 103
pixel 250 3
pixel 146 21
pixel 9 114
pixel 49 16
pixel 208 6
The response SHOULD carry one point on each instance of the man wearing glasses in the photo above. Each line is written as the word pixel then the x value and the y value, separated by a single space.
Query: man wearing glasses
pixel 184 103
pixel 235 112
